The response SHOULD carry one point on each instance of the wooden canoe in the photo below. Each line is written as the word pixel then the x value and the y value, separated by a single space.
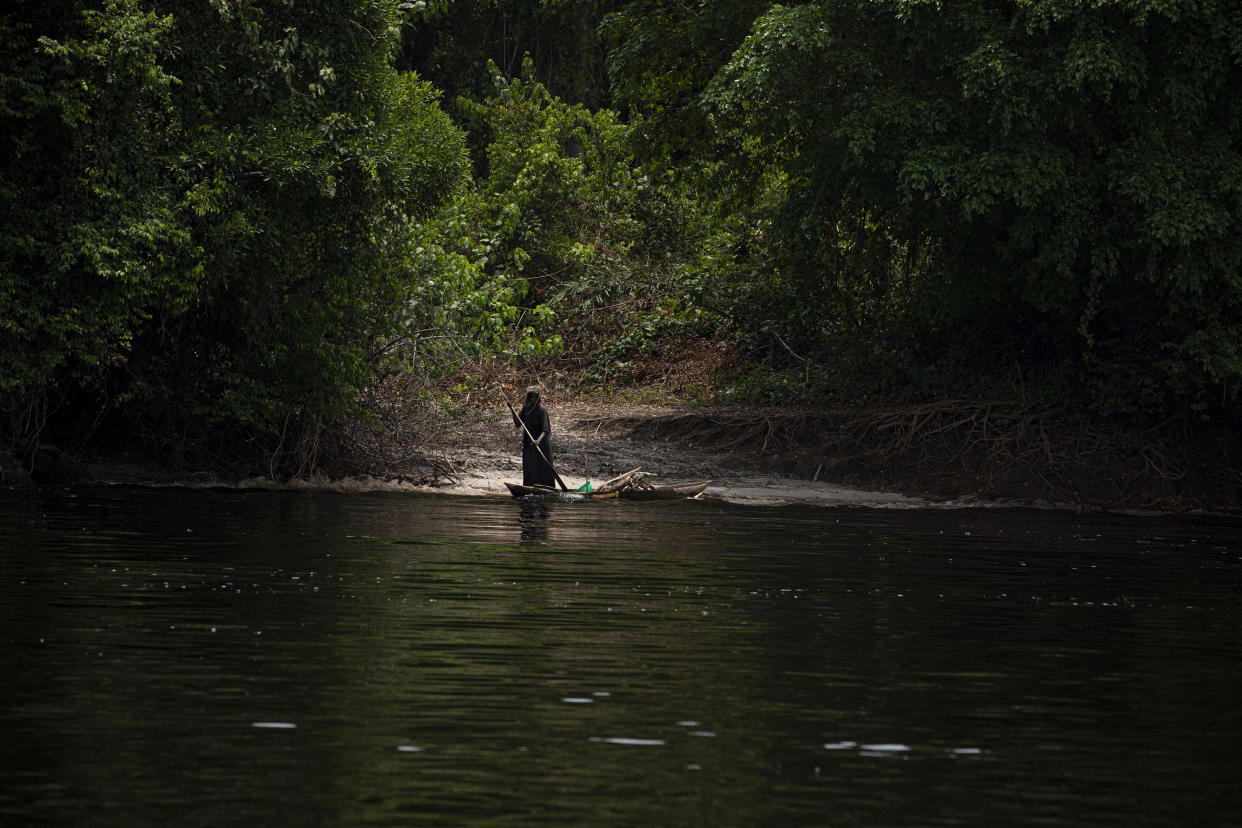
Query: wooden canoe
pixel 547 493
pixel 686 490
pixel 682 492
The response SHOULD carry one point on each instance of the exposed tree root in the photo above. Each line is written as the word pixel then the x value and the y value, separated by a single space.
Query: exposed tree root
pixel 396 441
pixel 957 448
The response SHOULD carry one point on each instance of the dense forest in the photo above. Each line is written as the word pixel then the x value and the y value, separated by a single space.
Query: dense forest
pixel 238 231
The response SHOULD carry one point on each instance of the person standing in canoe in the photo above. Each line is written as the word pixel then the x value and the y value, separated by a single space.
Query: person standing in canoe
pixel 536 440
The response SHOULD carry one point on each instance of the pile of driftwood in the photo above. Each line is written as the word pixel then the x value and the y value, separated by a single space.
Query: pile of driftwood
pixel 634 485
pixel 633 479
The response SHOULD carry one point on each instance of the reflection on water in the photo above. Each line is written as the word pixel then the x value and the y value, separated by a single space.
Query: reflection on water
pixel 533 520
pixel 294 658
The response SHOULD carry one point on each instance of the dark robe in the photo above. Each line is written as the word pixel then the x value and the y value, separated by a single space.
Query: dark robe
pixel 536 471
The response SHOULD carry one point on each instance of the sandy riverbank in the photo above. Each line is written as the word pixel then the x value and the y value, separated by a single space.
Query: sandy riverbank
pixel 751 456
pixel 478 453
pixel 485 453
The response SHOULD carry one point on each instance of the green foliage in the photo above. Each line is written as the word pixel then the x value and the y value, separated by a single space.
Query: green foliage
pixel 660 57
pixel 462 38
pixel 467 298
pixel 1065 176
pixel 205 209
pixel 563 230
pixel 87 244
pixel 226 217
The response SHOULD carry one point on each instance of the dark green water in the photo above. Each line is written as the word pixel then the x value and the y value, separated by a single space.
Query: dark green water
pixel 185 658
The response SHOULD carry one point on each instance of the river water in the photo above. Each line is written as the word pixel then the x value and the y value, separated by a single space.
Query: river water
pixel 182 658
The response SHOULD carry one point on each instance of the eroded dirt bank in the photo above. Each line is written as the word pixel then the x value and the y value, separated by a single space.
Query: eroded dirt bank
pixel 476 452
pixel 950 453
pixel 598 441
pixel 953 452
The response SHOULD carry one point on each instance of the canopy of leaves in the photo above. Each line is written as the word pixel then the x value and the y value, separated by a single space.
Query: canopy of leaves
pixel 203 207
pixel 600 240
pixel 224 218
pixel 1063 179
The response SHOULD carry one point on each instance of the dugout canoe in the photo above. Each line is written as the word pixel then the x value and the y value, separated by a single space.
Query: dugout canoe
pixel 682 492
pixel 547 493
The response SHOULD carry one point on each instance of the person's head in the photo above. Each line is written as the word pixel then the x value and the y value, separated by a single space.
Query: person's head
pixel 533 394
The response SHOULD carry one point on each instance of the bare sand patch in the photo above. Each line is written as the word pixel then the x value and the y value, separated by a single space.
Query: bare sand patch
pixel 596 441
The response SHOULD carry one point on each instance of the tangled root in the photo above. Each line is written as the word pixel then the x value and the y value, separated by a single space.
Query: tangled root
pixel 951 447
pixel 395 440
